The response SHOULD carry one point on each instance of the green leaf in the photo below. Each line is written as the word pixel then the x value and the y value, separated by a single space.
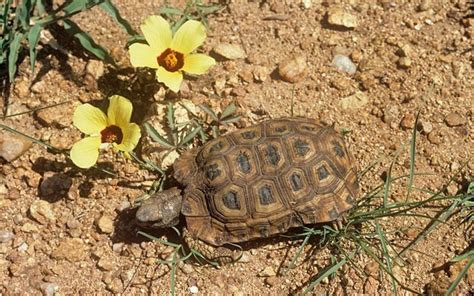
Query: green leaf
pixel 228 111
pixel 230 120
pixel 208 9
pixel 86 41
pixel 412 156
pixel 155 136
pixel 6 10
pixel 114 13
pixel 23 12
pixel 170 11
pixel 33 38
pixel 209 111
pixel 190 136
pixel 13 53
pixel 76 6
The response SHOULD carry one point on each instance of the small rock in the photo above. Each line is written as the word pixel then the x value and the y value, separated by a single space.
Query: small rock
pixel 94 70
pixel 454 119
pixel 435 137
pixel 370 286
pixel 267 272
pixel 424 5
pixel 408 121
pixel 3 190
pixel 260 73
pixel 105 224
pixel 12 146
pixel 425 126
pixel 271 281
pixel 54 185
pixel 293 70
pixel 404 50
pixel 187 268
pixel 339 17
pixel 404 62
pixel 372 269
pixel 116 286
pixel 39 87
pixel 23 247
pixel 391 115
pixel 106 263
pixel 6 236
pixel 117 247
pixel 193 289
pixel 245 258
pixel 343 63
pixel 42 211
pixel 49 289
pixel 353 102
pixel 230 51
pixel 307 4
pixel 70 249
pixel 29 227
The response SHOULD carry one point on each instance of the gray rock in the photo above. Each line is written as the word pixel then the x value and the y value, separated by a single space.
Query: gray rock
pixel 343 63
pixel 49 289
pixel 12 146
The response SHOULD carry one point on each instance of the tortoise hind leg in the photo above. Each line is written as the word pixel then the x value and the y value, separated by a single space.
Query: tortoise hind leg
pixel 221 255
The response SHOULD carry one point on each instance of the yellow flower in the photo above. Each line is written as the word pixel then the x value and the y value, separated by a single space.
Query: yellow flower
pixel 103 130
pixel 171 55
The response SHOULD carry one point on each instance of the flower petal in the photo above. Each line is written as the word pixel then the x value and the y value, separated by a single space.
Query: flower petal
pixel 142 55
pixel 84 153
pixel 119 112
pixel 131 136
pixel 157 33
pixel 170 79
pixel 188 37
pixel 89 119
pixel 198 63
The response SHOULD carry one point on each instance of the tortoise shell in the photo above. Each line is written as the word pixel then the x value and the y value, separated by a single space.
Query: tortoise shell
pixel 264 179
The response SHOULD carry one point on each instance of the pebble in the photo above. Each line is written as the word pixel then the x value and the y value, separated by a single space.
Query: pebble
pixel 272 281
pixel 70 249
pixel 49 289
pixel 12 146
pixel 454 119
pixel 105 224
pixel 435 137
pixel 3 190
pixel 425 126
pixel 29 227
pixel 245 258
pixel 193 289
pixel 6 236
pixel 408 121
pixel 372 269
pixel 404 62
pixel 230 51
pixel 267 272
pixel 261 73
pixel 94 70
pixel 116 286
pixel 187 268
pixel 339 17
pixel 294 69
pixel 343 63
pixel 106 263
pixel 42 211
pixel 353 102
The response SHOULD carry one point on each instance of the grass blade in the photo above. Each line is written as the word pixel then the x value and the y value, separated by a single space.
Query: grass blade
pixel 412 156
pixel 13 53
pixel 108 6
pixel 383 242
pixel 86 41
pixel 459 277
pixel 33 38
pixel 228 111
pixel 324 274
pixel 23 13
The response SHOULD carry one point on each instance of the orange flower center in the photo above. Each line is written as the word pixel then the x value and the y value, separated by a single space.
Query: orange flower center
pixel 171 60
pixel 111 134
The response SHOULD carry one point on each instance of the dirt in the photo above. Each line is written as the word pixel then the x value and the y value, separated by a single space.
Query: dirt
pixel 68 231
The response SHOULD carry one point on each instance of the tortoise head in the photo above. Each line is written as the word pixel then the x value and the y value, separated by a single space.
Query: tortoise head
pixel 162 209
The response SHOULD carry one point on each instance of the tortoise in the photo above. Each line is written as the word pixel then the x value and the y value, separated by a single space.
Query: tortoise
pixel 257 182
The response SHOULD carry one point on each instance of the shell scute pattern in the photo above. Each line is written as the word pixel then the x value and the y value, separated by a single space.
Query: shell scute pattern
pixel 262 180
